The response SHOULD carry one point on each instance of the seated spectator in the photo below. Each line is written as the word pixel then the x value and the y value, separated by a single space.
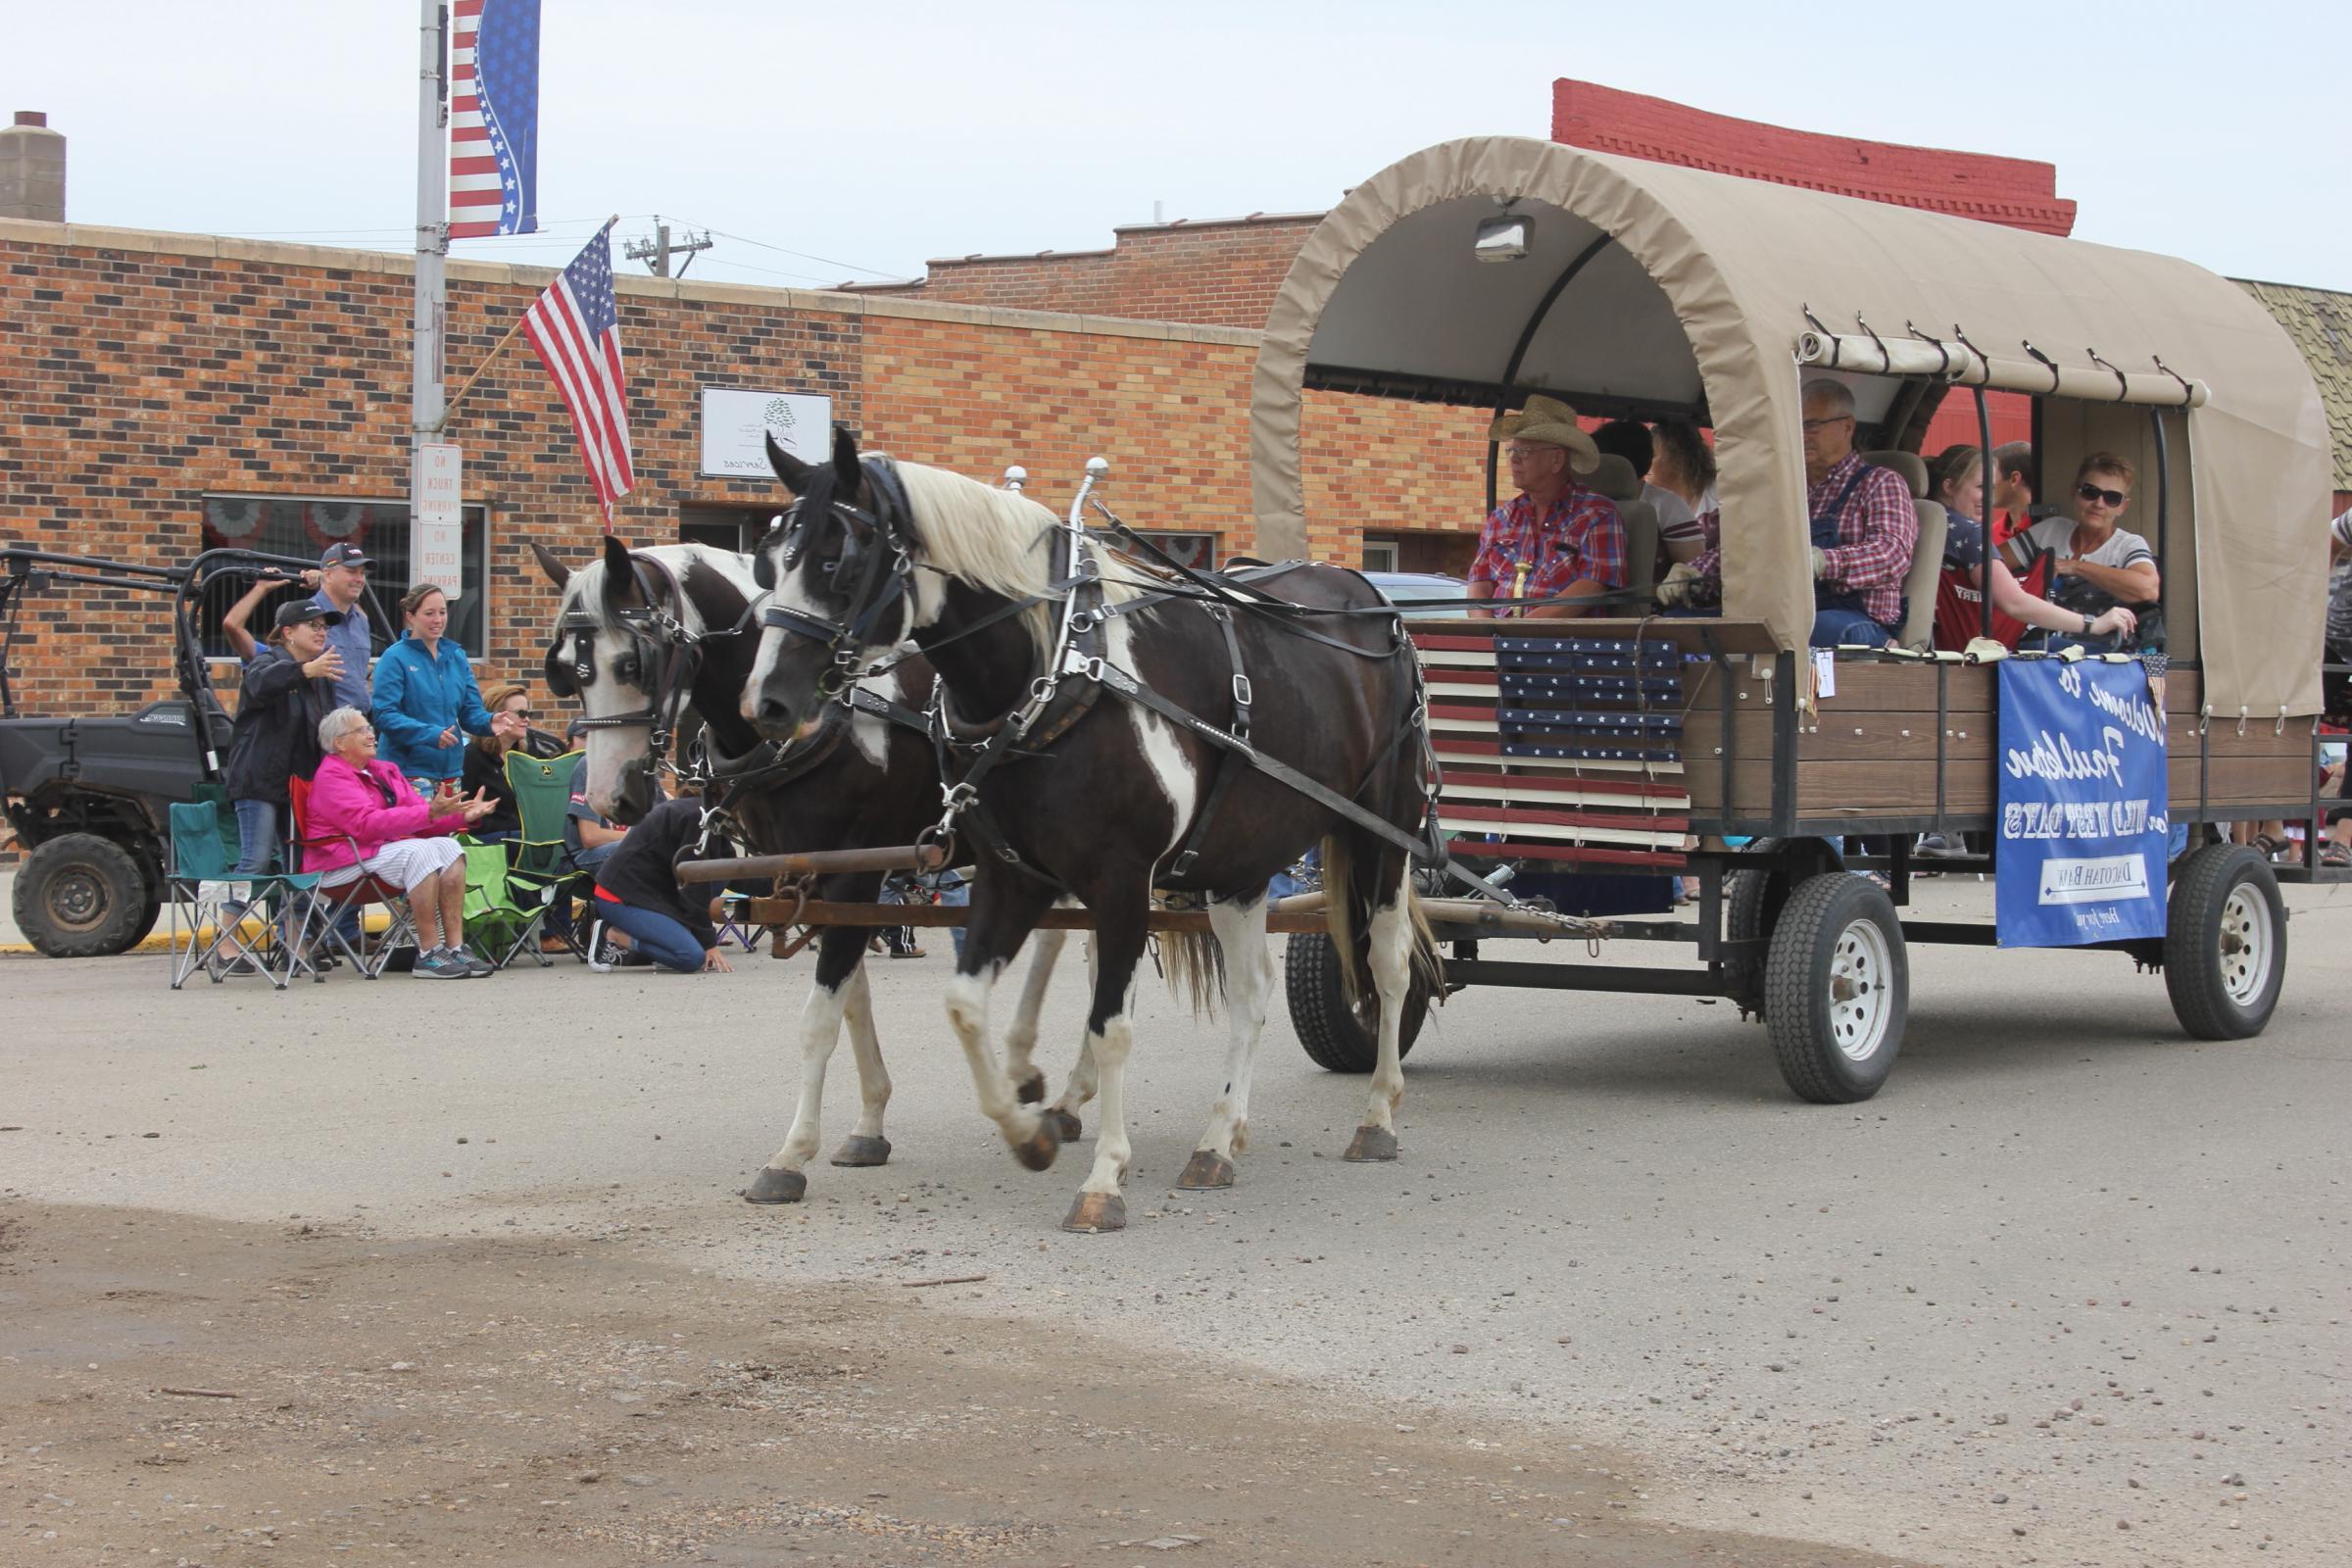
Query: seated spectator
pixel 365 819
pixel 1635 442
pixel 2092 552
pixel 288 688
pixel 1682 461
pixel 2013 493
pixel 638 892
pixel 485 771
pixel 1863 527
pixel 2337 650
pixel 589 835
pixel 1555 539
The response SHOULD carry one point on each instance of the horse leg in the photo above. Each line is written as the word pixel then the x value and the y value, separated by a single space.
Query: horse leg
pixel 1120 932
pixel 1240 931
pixel 1004 909
pixel 1392 961
pixel 1020 1038
pixel 866 1144
pixel 839 956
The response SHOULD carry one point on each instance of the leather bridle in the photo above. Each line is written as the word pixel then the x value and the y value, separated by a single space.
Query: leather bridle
pixel 878 552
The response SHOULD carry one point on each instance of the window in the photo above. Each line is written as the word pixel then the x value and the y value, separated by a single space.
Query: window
pixel 735 528
pixel 287 525
pixel 1380 555
pixel 1196 551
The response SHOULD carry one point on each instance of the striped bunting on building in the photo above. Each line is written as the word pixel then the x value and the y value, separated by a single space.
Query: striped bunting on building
pixel 1559 749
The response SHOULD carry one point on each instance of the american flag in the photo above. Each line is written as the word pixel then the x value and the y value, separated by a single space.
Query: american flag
pixel 493 117
pixel 575 326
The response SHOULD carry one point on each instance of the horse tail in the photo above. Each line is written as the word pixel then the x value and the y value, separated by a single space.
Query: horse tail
pixel 1194 964
pixel 1349 913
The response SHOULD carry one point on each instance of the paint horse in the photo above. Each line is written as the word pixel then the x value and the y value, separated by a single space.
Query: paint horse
pixel 641 634
pixel 1086 704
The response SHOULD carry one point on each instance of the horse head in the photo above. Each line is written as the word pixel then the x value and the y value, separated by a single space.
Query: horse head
pixel 628 645
pixel 837 572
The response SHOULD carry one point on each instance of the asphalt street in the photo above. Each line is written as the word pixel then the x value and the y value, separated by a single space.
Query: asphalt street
pixel 2072 1287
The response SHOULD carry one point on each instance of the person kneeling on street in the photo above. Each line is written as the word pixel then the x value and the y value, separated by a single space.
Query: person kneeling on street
pixel 365 819
pixel 638 892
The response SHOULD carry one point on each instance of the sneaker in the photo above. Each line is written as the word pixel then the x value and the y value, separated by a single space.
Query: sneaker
pixel 475 964
pixel 1933 846
pixel 440 965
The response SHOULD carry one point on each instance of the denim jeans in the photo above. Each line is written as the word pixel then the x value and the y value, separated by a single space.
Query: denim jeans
pixel 1833 628
pixel 257 838
pixel 657 936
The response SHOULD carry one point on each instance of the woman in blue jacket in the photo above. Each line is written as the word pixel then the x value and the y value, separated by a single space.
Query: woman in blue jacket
pixel 426 698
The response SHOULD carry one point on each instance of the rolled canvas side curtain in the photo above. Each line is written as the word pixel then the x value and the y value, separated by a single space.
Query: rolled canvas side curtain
pixel 1964 366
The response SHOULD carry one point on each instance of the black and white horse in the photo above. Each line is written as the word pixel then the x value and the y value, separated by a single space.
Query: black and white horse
pixel 1103 801
pixel 639 636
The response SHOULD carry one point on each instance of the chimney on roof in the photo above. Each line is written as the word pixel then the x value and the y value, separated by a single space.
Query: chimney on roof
pixel 32 170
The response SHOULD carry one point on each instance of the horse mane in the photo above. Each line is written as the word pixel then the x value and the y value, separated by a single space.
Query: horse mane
pixel 991 538
pixel 586 589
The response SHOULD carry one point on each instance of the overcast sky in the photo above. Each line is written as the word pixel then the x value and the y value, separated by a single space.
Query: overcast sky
pixel 826 142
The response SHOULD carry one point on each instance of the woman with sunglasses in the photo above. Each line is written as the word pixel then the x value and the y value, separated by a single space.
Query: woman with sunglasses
pixel 2114 563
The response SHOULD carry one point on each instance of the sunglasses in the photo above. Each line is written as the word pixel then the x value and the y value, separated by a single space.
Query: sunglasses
pixel 2092 491
pixel 1812 426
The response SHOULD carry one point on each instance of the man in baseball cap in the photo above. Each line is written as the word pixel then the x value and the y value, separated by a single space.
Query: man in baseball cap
pixel 1556 540
pixel 342 580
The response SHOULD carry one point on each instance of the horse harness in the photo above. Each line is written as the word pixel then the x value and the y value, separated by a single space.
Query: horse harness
pixel 1056 702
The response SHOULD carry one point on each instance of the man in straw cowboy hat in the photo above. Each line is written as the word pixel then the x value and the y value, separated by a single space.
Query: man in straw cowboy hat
pixel 1556 540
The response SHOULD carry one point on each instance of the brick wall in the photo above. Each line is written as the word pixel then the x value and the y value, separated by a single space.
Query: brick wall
pixel 142 371
pixel 1222 273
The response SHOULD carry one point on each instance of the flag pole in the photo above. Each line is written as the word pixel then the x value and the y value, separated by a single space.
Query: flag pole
pixel 496 349
pixel 433 242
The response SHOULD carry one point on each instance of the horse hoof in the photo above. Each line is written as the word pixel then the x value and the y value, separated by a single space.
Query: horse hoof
pixel 1096 1213
pixel 1031 1089
pixel 1038 1153
pixel 862 1151
pixel 1066 1124
pixel 773 1186
pixel 1207 1170
pixel 1372 1142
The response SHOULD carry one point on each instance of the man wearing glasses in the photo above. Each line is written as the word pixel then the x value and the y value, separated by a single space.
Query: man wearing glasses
pixel 2089 546
pixel 1863 527
pixel 1556 540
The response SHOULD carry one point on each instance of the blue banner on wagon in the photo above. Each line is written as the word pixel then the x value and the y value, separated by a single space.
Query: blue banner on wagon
pixel 2082 813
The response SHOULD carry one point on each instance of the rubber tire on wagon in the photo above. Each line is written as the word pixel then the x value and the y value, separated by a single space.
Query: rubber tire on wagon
pixel 1837 988
pixel 1339 1035
pixel 2225 943
pixel 80 896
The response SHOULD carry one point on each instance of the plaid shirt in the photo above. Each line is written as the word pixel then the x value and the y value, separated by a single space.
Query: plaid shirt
pixel 1877 532
pixel 1580 538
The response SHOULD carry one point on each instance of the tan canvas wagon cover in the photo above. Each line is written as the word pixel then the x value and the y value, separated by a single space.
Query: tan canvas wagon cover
pixel 1696 296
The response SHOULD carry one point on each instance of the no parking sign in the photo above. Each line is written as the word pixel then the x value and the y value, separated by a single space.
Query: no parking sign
pixel 2083 809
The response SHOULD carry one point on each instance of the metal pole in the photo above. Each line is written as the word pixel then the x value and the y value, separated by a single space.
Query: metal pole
pixel 432 235
pixel 1984 509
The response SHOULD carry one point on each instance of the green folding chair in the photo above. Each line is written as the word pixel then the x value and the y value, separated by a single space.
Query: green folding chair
pixel 540 863
pixel 501 916
pixel 210 899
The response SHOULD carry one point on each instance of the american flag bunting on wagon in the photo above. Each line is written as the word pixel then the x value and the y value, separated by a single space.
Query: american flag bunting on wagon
pixel 575 327
pixel 493 117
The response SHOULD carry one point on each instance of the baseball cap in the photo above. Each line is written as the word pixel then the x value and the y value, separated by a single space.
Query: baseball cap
pixel 343 555
pixel 296 611
pixel 577 728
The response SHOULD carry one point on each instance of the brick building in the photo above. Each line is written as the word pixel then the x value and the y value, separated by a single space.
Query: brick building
pixel 173 390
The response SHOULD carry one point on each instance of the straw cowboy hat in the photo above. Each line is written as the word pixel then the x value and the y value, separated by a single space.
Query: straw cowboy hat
pixel 1548 421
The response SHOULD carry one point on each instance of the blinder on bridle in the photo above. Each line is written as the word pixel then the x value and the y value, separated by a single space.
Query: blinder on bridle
pixel 662 660
pixel 875 562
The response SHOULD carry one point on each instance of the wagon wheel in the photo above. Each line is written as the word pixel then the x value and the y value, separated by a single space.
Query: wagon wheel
pixel 1837 988
pixel 1337 1034
pixel 2225 944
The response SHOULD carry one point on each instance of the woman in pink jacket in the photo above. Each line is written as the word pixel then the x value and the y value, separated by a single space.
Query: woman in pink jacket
pixel 364 818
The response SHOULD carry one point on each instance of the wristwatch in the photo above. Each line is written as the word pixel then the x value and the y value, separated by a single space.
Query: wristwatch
pixel 2087 624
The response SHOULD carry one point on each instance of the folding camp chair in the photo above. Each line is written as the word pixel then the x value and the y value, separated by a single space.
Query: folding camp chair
pixel 322 907
pixel 541 864
pixel 210 899
pixel 502 916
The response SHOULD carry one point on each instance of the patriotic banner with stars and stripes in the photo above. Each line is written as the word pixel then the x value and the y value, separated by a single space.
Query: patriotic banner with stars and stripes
pixel 493 117
pixel 575 327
